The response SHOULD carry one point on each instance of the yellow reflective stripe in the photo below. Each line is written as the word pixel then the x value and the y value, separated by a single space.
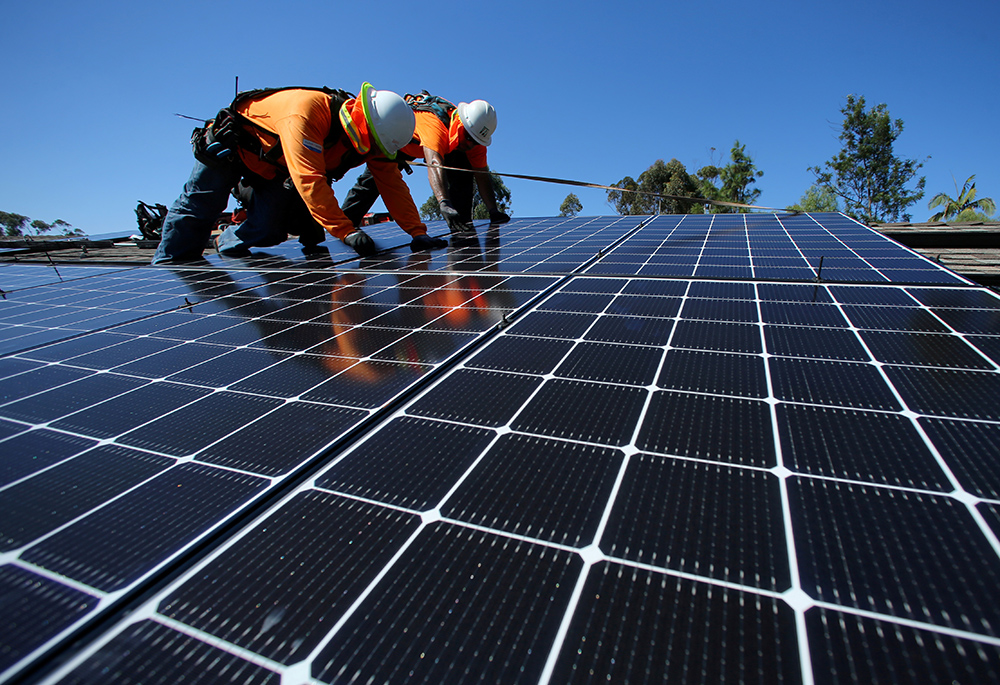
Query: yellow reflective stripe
pixel 365 87
pixel 352 131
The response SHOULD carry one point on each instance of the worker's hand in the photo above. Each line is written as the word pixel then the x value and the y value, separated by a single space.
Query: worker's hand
pixel 497 217
pixel 455 224
pixel 361 242
pixel 449 213
pixel 425 242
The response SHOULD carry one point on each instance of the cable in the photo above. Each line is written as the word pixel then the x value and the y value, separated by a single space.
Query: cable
pixel 583 184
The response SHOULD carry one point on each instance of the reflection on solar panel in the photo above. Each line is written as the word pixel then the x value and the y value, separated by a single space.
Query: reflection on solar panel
pixel 617 449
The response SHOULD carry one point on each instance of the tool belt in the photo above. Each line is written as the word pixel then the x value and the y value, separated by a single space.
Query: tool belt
pixel 216 143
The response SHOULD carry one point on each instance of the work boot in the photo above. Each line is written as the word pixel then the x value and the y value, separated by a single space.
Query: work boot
pixel 361 242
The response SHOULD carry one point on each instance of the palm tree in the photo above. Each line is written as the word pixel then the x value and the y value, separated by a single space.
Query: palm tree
pixel 965 201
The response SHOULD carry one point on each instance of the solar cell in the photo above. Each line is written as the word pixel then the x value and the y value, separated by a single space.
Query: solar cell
pixel 652 460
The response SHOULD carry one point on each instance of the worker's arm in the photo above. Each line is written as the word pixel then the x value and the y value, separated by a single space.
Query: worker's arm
pixel 485 185
pixel 396 195
pixel 435 175
pixel 302 144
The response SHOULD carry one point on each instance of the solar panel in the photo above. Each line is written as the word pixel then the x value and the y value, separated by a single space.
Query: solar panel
pixel 616 449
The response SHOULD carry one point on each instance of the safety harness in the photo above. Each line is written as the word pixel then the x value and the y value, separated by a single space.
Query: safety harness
pixel 425 102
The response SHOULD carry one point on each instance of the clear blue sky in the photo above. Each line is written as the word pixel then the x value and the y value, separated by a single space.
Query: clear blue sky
pixel 584 90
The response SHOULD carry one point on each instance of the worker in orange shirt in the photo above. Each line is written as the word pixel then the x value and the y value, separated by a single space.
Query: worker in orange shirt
pixel 451 136
pixel 288 144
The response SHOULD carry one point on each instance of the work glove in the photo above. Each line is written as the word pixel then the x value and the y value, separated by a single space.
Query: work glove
pixel 455 223
pixel 361 242
pixel 497 217
pixel 425 242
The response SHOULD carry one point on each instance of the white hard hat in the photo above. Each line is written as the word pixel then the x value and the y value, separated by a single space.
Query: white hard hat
pixel 390 119
pixel 479 119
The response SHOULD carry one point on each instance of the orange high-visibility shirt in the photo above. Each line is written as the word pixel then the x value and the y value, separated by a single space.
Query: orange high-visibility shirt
pixel 301 120
pixel 432 134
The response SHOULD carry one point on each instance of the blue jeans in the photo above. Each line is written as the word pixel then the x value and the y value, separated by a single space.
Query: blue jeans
pixel 192 217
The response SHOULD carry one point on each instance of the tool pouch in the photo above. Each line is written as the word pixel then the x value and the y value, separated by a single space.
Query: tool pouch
pixel 215 143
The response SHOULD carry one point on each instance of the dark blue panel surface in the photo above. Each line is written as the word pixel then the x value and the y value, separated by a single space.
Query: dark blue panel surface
pixel 640 626
pixel 495 620
pixel 119 543
pixel 841 384
pixel 279 587
pixel 38 505
pixel 35 609
pixel 972 452
pixel 842 647
pixel 35 450
pixel 410 463
pixel 898 553
pixel 539 488
pixel 199 424
pixel 458 470
pixel 856 445
pixel 726 429
pixel 459 397
pixel 574 410
pixel 705 519
pixel 149 652
pixel 283 439
pixel 711 372
pixel 69 398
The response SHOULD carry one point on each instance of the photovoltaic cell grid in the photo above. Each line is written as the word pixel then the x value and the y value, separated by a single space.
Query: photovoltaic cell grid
pixel 772 247
pixel 125 446
pixel 639 479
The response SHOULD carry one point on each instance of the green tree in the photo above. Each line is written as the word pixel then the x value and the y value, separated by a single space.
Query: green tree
pixel 67 229
pixel 732 182
pixel 430 211
pixel 738 176
pixel 817 199
pixel 571 206
pixel 500 191
pixel 964 206
pixel 669 178
pixel 866 174
pixel 13 224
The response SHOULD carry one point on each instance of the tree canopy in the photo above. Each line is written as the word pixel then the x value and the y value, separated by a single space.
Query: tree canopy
pixel 964 206
pixel 670 178
pixel 817 199
pixel 13 224
pixel 16 225
pixel 866 174
pixel 571 206
pixel 732 182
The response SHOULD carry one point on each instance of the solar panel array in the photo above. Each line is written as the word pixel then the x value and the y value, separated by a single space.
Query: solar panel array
pixel 687 448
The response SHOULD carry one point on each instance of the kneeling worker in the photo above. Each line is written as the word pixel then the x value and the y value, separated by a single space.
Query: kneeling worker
pixel 288 144
pixel 448 135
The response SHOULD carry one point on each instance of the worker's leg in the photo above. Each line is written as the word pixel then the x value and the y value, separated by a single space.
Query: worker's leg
pixel 190 220
pixel 296 221
pixel 461 185
pixel 266 220
pixel 360 198
pixel 302 223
